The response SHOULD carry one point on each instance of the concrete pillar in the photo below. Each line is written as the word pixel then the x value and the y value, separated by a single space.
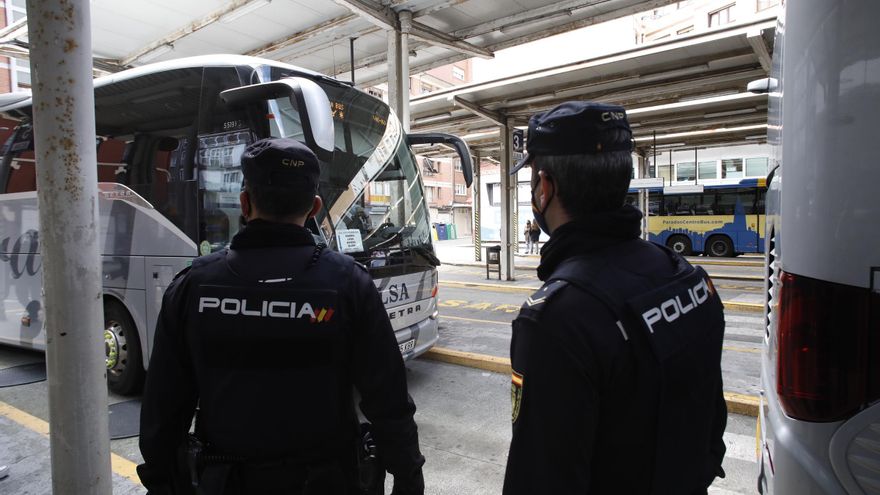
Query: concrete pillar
pixel 508 203
pixel 67 193
pixel 477 197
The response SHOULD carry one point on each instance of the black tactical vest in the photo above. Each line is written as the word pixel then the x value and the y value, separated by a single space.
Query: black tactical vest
pixel 676 327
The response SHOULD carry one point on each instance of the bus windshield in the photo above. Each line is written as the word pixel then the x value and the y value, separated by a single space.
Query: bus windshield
pixel 371 189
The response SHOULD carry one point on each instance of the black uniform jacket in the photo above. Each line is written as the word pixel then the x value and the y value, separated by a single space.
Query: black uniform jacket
pixel 269 338
pixel 601 403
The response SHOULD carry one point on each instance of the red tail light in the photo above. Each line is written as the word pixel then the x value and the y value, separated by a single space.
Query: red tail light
pixel 828 346
pixel 434 291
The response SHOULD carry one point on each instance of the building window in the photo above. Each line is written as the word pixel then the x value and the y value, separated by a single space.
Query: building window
pixel 732 168
pixel 460 190
pixel 458 73
pixel 457 163
pixel 756 167
pixel 685 171
pixel 429 194
pixel 494 193
pixel 766 4
pixel 722 16
pixel 708 170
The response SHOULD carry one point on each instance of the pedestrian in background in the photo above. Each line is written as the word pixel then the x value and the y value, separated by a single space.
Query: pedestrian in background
pixel 268 340
pixel 528 236
pixel 616 384
pixel 535 236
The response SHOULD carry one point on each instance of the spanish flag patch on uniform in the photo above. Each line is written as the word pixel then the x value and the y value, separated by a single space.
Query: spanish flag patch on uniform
pixel 516 393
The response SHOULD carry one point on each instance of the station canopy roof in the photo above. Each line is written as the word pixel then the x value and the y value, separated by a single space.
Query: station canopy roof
pixel 315 34
pixel 689 92
pixel 655 82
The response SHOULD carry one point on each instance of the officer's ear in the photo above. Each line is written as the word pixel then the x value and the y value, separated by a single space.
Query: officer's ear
pixel 546 188
pixel 245 199
pixel 317 203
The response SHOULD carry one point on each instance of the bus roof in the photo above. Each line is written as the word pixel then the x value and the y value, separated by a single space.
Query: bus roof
pixel 754 182
pixel 11 101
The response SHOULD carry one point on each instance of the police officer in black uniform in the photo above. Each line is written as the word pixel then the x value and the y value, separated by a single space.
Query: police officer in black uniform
pixel 616 385
pixel 267 340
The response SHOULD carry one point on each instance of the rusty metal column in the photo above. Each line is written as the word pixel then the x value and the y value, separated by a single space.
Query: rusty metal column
pixel 643 195
pixel 477 195
pixel 67 187
pixel 405 18
pixel 395 74
pixel 508 203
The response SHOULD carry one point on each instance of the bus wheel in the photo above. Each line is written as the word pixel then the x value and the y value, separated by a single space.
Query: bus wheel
pixel 719 247
pixel 680 244
pixel 125 371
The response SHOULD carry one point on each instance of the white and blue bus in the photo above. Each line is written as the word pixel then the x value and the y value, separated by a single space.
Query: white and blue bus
pixel 169 138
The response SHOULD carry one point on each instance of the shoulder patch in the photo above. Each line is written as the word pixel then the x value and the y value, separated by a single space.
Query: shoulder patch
pixel 544 294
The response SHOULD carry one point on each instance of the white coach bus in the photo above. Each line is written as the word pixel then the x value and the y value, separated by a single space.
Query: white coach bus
pixel 819 424
pixel 169 138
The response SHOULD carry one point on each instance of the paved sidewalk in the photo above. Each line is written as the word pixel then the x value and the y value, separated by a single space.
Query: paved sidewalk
pixel 24 447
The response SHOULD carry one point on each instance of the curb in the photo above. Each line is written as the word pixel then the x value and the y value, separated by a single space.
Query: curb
pixel 725 276
pixel 732 305
pixel 746 405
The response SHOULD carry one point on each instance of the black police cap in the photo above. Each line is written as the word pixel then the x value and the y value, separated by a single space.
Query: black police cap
pixel 577 128
pixel 280 162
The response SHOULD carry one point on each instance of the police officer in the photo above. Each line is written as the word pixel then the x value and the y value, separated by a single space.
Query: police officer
pixel 616 384
pixel 267 340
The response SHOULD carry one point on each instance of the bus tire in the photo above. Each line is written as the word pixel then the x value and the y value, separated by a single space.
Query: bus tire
pixel 122 347
pixel 681 244
pixel 719 246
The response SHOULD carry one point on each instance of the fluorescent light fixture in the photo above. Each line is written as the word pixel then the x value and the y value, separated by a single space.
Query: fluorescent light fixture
pixel 648 183
pixel 244 10
pixel 757 136
pixel 669 145
pixel 687 189
pixel 478 135
pixel 686 71
pixel 433 118
pixel 728 113
pixel 156 52
pixel 722 130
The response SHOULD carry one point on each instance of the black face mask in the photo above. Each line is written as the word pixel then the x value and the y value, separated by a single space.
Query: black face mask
pixel 539 213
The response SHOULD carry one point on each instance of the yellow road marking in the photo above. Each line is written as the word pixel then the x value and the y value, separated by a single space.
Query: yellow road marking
pixel 741 349
pixel 120 465
pixel 736 403
pixel 474 320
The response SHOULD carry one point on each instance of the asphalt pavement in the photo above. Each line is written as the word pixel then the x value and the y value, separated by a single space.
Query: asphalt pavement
pixel 463 413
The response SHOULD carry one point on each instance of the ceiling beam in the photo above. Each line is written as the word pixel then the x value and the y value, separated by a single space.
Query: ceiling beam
pixel 305 35
pixel 13 30
pixel 436 37
pixel 387 18
pixel 756 40
pixel 382 17
pixel 184 31
pixel 492 116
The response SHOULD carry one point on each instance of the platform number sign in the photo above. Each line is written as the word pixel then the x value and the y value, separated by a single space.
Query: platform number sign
pixel 518 144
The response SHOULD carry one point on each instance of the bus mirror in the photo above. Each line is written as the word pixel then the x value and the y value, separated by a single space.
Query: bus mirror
pixel 762 86
pixel 458 144
pixel 309 100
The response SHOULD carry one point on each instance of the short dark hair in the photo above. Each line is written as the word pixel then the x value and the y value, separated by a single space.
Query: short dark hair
pixel 279 202
pixel 589 183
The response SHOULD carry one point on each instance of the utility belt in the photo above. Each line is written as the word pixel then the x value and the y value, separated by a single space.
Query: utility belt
pixel 213 473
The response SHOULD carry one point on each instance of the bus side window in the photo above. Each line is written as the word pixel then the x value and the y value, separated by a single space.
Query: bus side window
pixel 23 175
pixel 110 160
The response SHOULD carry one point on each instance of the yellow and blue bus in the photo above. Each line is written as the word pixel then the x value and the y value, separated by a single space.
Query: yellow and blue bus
pixel 722 220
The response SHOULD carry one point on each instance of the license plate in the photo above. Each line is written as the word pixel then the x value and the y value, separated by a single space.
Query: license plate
pixel 407 346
